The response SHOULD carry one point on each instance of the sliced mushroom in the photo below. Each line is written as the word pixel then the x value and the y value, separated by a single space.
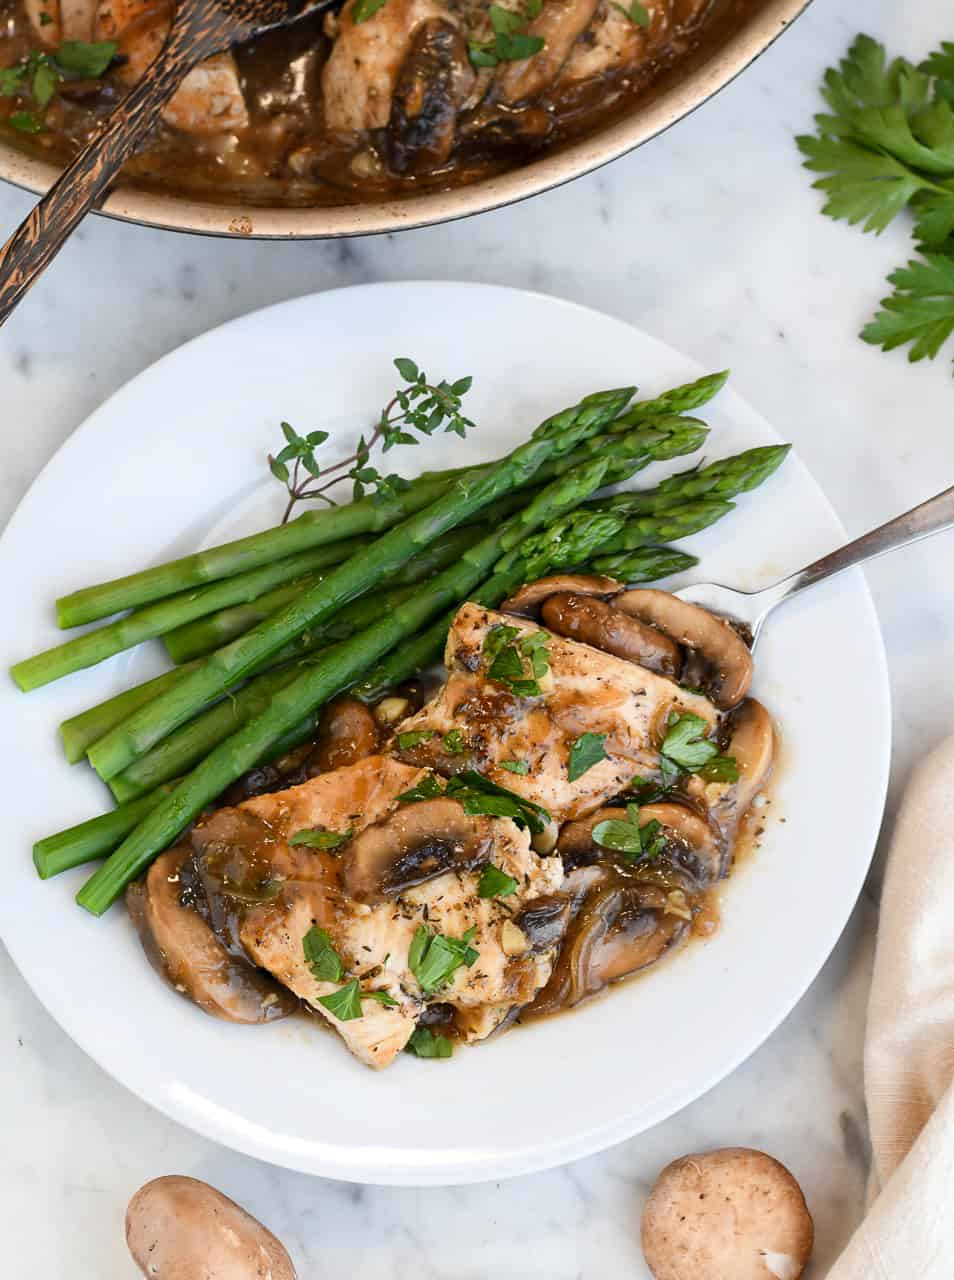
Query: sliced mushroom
pixel 698 846
pixel 726 660
pixel 415 844
pixel 529 599
pixel 434 82
pixel 623 925
pixel 596 623
pixel 693 842
pixel 347 733
pixel 493 126
pixel 752 746
pixel 544 920
pixel 576 845
pixel 182 947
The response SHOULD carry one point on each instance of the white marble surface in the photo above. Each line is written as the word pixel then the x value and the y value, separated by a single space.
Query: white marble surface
pixel 710 238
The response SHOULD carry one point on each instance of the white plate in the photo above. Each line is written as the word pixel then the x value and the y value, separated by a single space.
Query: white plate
pixel 176 459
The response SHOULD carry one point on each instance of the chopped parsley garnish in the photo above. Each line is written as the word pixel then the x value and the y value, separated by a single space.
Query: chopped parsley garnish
pixel 434 958
pixel 453 742
pixel 317 838
pixel 637 13
pixel 365 9
pixel 509 43
pixel 686 748
pixel 586 751
pixel 26 122
pixel 345 1003
pixel 425 1043
pixel 646 791
pixel 382 997
pixel 495 883
pixel 518 662
pixel 516 766
pixel 86 59
pixel 45 19
pixel 414 738
pixel 321 957
pixel 429 788
pixel 478 795
pixel 39 75
pixel 629 838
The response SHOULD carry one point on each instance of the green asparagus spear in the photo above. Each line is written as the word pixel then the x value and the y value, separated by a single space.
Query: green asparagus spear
pixel 723 479
pixel 692 395
pixel 178 752
pixel 93 839
pixel 156 619
pixel 313 528
pixel 648 564
pixel 469 493
pixel 341 666
pixel 192 741
pixel 81 731
pixel 198 638
pixel 666 526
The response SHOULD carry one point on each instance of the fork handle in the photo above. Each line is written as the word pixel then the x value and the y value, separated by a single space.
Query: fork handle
pixel 933 516
pixel 85 182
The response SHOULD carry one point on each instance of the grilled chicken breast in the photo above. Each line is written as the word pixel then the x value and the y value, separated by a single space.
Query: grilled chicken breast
pixel 584 691
pixel 265 894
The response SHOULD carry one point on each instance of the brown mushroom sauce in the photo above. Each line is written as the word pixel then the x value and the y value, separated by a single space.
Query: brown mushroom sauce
pixel 615 917
pixel 447 122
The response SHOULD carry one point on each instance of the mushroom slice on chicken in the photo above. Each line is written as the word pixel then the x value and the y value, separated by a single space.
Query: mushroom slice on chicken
pixel 559 24
pixel 359 78
pixel 584 691
pixel 433 84
pixel 209 100
pixel 240 849
pixel 182 947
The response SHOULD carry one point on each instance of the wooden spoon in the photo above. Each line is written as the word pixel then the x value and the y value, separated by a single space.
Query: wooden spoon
pixel 199 29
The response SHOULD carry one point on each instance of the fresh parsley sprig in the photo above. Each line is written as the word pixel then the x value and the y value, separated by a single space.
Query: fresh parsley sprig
pixel 419 405
pixel 886 145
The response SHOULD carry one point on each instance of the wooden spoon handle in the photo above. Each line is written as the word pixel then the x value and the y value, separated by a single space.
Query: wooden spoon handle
pixel 85 182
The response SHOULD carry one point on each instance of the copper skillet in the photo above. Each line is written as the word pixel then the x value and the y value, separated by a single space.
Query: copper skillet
pixel 738 32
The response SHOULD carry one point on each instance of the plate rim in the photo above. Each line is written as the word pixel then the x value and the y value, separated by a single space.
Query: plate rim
pixel 491 1165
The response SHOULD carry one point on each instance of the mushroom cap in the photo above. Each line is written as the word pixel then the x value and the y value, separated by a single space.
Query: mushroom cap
pixel 597 623
pixel 528 599
pixel 414 844
pixel 726 655
pixel 730 1213
pixel 347 733
pixel 180 1229
pixel 752 744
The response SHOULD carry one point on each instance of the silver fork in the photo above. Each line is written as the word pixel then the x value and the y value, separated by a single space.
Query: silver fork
pixel 754 607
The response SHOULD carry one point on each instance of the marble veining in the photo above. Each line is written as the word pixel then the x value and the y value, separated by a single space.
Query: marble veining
pixel 710 238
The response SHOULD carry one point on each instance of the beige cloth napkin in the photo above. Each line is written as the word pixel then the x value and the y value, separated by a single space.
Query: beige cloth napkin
pixel 909 1051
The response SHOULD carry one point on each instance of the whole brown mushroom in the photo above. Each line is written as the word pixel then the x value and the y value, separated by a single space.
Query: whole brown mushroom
pixel 732 1214
pixel 181 1229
